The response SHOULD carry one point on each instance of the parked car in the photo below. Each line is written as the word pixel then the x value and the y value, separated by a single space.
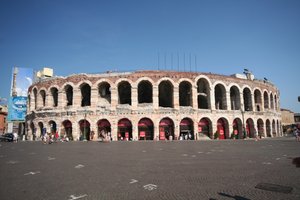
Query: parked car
pixel 7 137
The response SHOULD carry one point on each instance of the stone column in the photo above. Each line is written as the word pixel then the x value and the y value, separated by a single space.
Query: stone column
pixel 253 102
pixel 114 98
pixel 134 97
pixel 135 130
pixel 76 98
pixel 195 97
pixel 196 135
pixel 94 97
pixel 155 97
pixel 212 99
pixel 228 100
pixel 176 97
pixel 242 101
pixel 114 130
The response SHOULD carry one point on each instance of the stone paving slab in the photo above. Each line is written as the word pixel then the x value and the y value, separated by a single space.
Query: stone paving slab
pixel 210 170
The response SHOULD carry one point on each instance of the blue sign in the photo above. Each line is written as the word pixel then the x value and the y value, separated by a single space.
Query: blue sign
pixel 17 109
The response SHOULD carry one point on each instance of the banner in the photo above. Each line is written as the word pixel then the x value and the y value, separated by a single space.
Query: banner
pixel 17 109
pixel 17 105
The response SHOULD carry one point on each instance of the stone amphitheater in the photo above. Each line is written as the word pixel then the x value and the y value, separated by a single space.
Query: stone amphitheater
pixel 153 105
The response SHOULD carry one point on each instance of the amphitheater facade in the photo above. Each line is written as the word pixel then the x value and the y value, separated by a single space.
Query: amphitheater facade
pixel 153 105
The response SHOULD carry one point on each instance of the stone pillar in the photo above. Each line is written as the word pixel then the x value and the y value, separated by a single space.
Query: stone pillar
pixel 75 130
pixel 195 97
pixel 195 124
pixel 135 130
pixel 212 99
pixel 176 97
pixel 228 100
pixel 176 129
pixel 156 131
pixel 114 98
pixel 155 97
pixel 114 130
pixel 242 101
pixel 134 97
pixel 76 97
pixel 253 102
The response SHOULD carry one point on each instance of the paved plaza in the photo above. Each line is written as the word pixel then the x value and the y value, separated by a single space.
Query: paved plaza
pixel 209 170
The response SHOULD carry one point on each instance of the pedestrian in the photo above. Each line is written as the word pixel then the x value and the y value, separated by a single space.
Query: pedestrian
pixel 56 136
pixel 298 134
pixel 15 137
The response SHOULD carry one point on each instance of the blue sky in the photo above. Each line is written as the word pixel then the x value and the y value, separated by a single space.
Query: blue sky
pixel 226 36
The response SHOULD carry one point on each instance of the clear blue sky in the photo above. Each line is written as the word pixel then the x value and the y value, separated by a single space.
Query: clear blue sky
pixel 77 36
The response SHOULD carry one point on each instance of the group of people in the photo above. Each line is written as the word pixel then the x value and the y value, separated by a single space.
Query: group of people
pixel 49 138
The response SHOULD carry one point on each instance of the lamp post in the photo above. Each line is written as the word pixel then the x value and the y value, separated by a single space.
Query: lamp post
pixel 243 125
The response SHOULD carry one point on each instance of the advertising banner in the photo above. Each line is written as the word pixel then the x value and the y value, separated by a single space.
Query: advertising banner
pixel 17 105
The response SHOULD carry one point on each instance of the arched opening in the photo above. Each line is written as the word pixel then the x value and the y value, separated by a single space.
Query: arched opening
pixel 145 92
pixel 235 98
pixel 104 92
pixel 260 128
pixel 35 97
pixel 250 129
pixel 203 94
pixel 43 97
pixel 124 129
pixel 41 129
pixel 272 101
pixel 124 91
pixel 220 97
pixel 186 129
pixel 273 128
pixel 247 99
pixel 205 128
pixel 145 128
pixel 33 130
pixel 54 93
pixel 166 94
pixel 85 94
pixel 237 126
pixel 85 129
pixel 266 100
pixel 185 94
pixel 53 127
pixel 257 100
pixel 223 129
pixel 104 129
pixel 276 103
pixel 67 131
pixel 268 128
pixel 69 94
pixel 166 129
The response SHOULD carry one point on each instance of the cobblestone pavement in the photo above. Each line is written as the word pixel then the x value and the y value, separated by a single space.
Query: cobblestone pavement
pixel 211 170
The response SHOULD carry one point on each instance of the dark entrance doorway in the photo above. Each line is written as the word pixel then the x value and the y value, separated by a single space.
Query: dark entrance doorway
pixel 166 129
pixel 145 129
pixel 186 129
pixel 124 130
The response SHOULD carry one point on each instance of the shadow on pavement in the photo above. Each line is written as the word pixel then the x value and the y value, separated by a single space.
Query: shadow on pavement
pixel 296 161
pixel 236 197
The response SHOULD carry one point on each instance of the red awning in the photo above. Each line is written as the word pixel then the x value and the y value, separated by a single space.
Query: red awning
pixel 124 123
pixel 103 123
pixel 145 122
pixel 166 122
pixel 185 122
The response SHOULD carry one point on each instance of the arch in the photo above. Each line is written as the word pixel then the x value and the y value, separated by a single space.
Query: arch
pixel 166 94
pixel 35 98
pixel 166 129
pixel 85 90
pixel 268 128
pixel 223 128
pixel 272 101
pixel 104 129
pixel 235 99
pixel 273 128
pixel 247 99
pixel 250 129
pixel 260 128
pixel 104 92
pixel 220 97
pixel 205 127
pixel 276 102
pixel 203 90
pixel 41 129
pixel 85 129
pixel 43 97
pixel 53 126
pixel 68 89
pixel 124 129
pixel 145 92
pixel 33 130
pixel 257 100
pixel 237 127
pixel 67 129
pixel 145 129
pixel 185 94
pixel 186 129
pixel 54 94
pixel 266 100
pixel 124 92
